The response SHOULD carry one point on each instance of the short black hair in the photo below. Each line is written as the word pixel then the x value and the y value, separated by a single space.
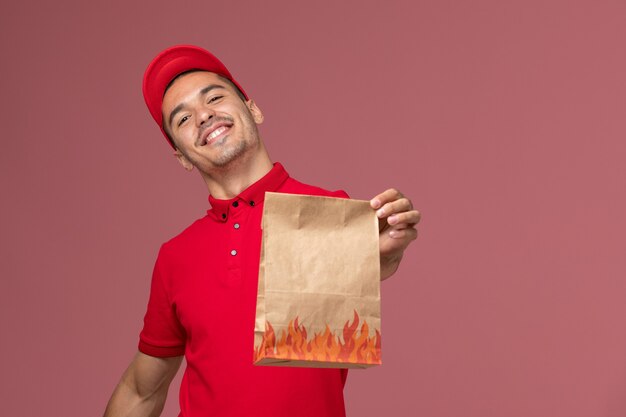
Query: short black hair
pixel 221 77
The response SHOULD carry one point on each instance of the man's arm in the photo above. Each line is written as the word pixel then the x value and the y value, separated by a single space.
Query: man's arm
pixel 143 388
pixel 398 219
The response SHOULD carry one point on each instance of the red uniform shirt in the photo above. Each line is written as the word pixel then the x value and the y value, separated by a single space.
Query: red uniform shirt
pixel 202 304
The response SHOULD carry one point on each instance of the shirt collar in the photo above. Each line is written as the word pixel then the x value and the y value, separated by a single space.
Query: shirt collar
pixel 251 196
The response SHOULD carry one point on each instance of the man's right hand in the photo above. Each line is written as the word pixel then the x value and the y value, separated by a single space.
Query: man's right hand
pixel 143 388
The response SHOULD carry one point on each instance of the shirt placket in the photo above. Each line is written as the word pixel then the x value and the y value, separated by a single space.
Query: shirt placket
pixel 235 249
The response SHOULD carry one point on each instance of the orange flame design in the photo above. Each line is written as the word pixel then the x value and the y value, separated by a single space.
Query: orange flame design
pixel 293 344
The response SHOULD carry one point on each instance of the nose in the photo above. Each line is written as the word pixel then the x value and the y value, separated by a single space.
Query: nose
pixel 204 115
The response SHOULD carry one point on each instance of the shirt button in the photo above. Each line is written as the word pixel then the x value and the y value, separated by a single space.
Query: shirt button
pixel 233 252
pixel 236 225
pixel 252 203
pixel 236 203
pixel 223 215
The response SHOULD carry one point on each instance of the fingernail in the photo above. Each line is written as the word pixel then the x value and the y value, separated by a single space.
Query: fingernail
pixel 391 219
pixel 375 203
pixel 380 213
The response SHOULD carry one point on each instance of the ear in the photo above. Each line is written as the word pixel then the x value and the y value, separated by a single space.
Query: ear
pixel 257 115
pixel 183 160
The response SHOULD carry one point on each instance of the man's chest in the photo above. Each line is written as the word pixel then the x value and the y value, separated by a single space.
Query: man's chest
pixel 214 284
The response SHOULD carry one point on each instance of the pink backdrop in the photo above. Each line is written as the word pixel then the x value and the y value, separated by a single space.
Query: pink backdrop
pixel 503 121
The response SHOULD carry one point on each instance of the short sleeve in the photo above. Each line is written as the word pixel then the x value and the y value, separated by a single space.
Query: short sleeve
pixel 162 334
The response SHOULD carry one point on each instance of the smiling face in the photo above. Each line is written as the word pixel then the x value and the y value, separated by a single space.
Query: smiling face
pixel 210 125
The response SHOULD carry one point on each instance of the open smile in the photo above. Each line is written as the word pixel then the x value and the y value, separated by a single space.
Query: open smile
pixel 214 134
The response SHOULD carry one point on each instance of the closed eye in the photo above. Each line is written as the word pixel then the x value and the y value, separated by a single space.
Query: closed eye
pixel 214 99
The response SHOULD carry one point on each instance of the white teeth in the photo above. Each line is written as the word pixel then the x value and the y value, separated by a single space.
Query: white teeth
pixel 216 132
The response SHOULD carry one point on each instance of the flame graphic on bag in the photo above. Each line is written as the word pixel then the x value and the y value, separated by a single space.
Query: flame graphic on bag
pixel 355 348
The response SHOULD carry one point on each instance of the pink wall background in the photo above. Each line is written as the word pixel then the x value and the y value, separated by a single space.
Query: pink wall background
pixel 503 121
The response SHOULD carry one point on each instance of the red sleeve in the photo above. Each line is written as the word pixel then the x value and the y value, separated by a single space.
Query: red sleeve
pixel 162 334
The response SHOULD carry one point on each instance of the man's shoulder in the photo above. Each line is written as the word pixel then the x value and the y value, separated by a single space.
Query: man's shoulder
pixel 187 237
pixel 293 186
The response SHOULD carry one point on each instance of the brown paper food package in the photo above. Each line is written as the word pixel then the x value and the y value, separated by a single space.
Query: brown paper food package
pixel 318 301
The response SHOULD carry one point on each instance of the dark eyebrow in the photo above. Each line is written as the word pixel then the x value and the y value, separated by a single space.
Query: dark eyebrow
pixel 202 92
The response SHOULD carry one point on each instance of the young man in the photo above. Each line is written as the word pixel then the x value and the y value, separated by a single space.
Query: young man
pixel 204 283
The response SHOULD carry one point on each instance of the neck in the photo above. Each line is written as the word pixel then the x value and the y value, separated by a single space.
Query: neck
pixel 229 181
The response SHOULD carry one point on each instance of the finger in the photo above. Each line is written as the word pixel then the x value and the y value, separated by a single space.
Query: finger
pixel 408 233
pixel 397 206
pixel 386 196
pixel 406 217
pixel 401 226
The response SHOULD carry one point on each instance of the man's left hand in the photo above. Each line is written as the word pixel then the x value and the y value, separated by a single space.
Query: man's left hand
pixel 397 220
